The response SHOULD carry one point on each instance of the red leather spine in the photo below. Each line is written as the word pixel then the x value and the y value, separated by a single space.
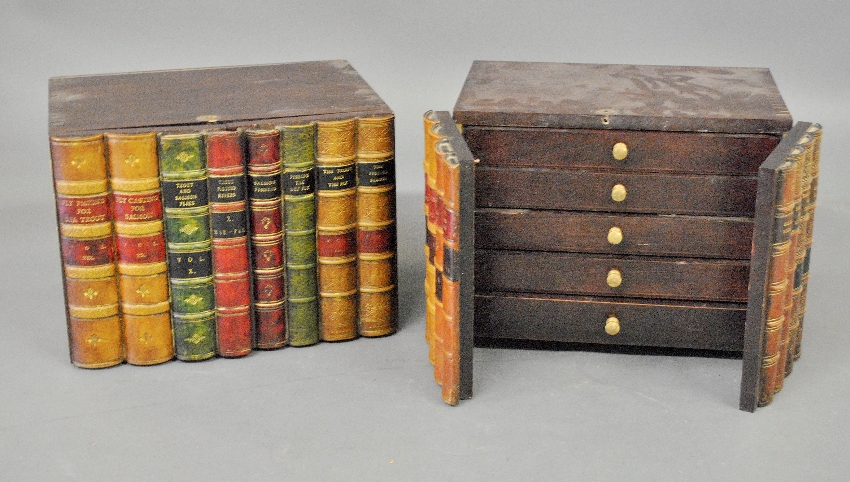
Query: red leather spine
pixel 264 193
pixel 227 189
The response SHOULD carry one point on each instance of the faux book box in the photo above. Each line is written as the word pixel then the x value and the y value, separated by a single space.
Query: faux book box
pixel 633 205
pixel 208 212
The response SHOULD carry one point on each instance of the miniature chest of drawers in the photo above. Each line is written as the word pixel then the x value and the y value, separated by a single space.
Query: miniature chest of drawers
pixel 617 204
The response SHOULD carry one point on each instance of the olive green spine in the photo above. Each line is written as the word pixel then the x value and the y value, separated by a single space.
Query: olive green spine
pixel 298 153
pixel 187 234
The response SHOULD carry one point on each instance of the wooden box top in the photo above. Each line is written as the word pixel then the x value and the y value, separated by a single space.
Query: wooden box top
pixel 630 97
pixel 191 97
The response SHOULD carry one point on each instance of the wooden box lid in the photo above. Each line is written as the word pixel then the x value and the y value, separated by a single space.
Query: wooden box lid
pixel 630 97
pixel 259 93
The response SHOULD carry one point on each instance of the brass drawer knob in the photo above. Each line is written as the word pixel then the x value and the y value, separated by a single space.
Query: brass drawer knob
pixel 612 325
pixel 615 278
pixel 615 235
pixel 620 151
pixel 618 193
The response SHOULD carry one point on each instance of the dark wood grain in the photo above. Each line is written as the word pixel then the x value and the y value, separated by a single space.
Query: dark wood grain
pixel 642 276
pixel 632 97
pixel 709 326
pixel 684 152
pixel 760 264
pixel 661 235
pixel 193 97
pixel 584 190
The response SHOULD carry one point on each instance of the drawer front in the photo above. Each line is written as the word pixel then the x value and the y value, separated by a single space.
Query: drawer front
pixel 646 150
pixel 675 325
pixel 679 236
pixel 531 188
pixel 639 276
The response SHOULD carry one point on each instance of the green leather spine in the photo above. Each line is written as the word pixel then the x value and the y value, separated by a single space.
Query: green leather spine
pixel 187 234
pixel 297 150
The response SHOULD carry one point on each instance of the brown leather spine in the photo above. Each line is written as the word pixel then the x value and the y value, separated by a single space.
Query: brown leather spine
pixel 793 183
pixel 431 137
pixel 134 178
pixel 376 227
pixel 266 224
pixel 336 222
pixel 810 202
pixel 777 284
pixel 88 251
pixel 451 279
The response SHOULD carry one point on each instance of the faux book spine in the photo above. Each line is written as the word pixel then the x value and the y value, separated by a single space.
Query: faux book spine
pixel 297 149
pixel 376 226
pixel 266 223
pixel 809 198
pixel 143 281
pixel 336 229
pixel 85 220
pixel 433 134
pixel 187 232
pixel 778 287
pixel 227 191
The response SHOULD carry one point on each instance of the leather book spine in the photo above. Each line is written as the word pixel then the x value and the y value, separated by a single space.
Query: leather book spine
pixel 336 229
pixel 85 221
pixel 298 153
pixel 229 221
pixel 439 215
pixel 451 278
pixel 433 134
pixel 376 227
pixel 264 194
pixel 185 199
pixel 142 269
pixel 777 283
pixel 810 202
pixel 793 181
pixel 802 216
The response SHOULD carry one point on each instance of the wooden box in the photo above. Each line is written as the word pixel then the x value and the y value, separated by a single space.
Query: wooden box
pixel 211 212
pixel 621 205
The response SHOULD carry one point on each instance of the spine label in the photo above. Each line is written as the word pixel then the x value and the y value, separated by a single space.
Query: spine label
pixel 227 189
pixel 83 210
pixel 184 194
pixel 264 187
pixel 141 249
pixel 374 174
pixel 299 182
pixel 336 178
pixel 88 252
pixel 194 264
pixel 229 224
pixel 137 207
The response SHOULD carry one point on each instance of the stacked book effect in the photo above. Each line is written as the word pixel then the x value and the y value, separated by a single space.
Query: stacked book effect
pixel 792 174
pixel 448 276
pixel 217 240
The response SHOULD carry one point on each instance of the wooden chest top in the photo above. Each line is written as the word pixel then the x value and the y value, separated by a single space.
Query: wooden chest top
pixel 190 97
pixel 629 97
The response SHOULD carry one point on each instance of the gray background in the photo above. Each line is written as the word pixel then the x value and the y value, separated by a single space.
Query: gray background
pixel 368 409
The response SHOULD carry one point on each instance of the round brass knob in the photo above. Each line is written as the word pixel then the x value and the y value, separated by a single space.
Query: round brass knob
pixel 620 151
pixel 618 193
pixel 612 325
pixel 615 278
pixel 615 235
